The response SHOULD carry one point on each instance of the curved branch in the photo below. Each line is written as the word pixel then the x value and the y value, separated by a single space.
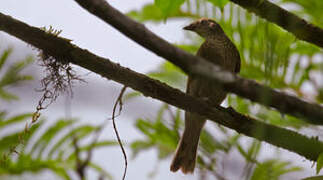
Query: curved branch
pixel 194 65
pixel 63 50
pixel 289 21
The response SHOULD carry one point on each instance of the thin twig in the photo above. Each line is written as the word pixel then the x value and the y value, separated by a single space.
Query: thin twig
pixel 119 101
pixel 101 127
pixel 80 166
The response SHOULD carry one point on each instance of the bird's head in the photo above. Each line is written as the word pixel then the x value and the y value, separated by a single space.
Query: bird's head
pixel 205 28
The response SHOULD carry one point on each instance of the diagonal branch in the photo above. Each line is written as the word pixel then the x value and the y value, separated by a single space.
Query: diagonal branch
pixel 63 50
pixel 289 21
pixel 194 65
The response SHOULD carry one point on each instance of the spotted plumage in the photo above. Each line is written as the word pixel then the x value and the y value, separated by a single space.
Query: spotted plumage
pixel 219 50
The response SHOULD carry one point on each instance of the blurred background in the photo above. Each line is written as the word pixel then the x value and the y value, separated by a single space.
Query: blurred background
pixel 149 128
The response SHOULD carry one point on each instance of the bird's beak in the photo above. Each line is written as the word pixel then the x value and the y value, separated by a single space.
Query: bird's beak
pixel 190 27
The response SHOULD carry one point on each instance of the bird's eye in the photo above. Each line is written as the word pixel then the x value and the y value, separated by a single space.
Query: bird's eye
pixel 203 22
pixel 212 25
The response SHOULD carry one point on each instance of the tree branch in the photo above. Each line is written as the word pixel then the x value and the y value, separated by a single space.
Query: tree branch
pixel 194 65
pixel 64 51
pixel 289 21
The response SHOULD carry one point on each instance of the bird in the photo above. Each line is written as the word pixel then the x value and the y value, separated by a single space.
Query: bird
pixel 219 50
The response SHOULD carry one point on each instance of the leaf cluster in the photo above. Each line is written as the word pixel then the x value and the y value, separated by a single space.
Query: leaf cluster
pixel 11 75
pixel 269 55
pixel 42 146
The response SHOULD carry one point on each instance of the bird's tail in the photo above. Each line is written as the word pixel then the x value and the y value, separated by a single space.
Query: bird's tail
pixel 185 155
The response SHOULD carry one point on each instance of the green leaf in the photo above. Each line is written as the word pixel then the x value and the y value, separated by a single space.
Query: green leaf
pixel 7 96
pixel 26 163
pixel 131 95
pixel 272 170
pixel 254 149
pixel 177 121
pixel 14 139
pixel 170 74
pixel 191 48
pixel 2 116
pixel 15 119
pixel 219 3
pixel 50 133
pixel 209 143
pixel 101 170
pixel 91 146
pixel 13 76
pixel 98 145
pixel 78 132
pixel 158 134
pixel 245 154
pixel 138 146
pixel 4 56
pixel 150 12
pixel 168 7
pixel 144 126
pixel 319 163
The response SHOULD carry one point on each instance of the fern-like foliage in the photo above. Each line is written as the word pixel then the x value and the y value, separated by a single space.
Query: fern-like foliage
pixel 42 146
pixel 54 150
pixel 269 55
pixel 11 75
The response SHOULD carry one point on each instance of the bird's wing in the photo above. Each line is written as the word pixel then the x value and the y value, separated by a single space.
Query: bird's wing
pixel 236 56
pixel 210 53
pixel 238 65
